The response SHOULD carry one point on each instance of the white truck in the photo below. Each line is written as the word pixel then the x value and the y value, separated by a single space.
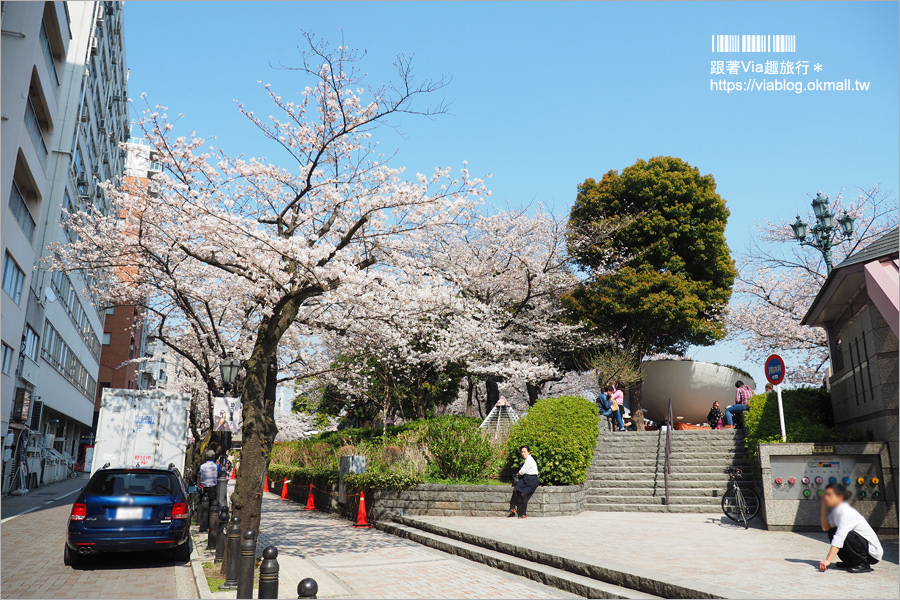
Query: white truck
pixel 141 428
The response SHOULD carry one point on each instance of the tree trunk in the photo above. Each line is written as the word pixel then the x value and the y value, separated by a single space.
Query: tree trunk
pixel 258 409
pixel 469 396
pixel 534 392
pixel 493 394
pixel 635 392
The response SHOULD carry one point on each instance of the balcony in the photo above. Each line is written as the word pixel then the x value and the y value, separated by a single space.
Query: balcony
pixel 20 211
pixel 48 54
pixel 34 129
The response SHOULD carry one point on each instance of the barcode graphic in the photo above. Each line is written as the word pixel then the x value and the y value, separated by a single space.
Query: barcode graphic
pixel 754 43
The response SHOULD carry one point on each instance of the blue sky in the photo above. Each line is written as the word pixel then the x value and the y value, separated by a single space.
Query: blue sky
pixel 544 95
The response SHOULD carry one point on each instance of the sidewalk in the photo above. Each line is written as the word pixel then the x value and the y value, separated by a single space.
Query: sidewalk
pixel 40 497
pixel 707 550
pixel 366 563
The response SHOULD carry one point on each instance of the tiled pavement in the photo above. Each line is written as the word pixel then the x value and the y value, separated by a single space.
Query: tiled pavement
pixel 32 561
pixel 706 549
pixel 366 563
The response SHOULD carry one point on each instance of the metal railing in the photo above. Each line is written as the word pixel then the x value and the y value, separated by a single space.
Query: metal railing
pixel 668 448
pixel 34 129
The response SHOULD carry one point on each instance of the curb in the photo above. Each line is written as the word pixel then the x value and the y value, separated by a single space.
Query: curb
pixel 200 584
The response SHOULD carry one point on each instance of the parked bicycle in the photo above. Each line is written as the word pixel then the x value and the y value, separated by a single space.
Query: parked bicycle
pixel 739 504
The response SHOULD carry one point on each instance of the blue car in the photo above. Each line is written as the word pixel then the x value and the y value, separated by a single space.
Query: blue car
pixel 122 510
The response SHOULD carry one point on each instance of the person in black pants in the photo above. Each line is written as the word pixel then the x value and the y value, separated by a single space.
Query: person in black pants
pixel 525 487
pixel 852 539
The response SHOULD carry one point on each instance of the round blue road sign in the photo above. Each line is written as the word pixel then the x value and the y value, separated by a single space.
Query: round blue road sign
pixel 774 369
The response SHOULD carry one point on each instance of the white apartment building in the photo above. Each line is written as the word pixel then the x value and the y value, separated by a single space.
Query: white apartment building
pixel 64 113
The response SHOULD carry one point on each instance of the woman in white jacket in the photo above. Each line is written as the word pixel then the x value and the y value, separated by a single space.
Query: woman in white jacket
pixel 525 487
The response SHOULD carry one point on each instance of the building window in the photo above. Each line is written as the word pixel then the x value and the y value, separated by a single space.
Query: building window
pixel 48 53
pixel 13 278
pixel 32 343
pixel 107 338
pixel 110 310
pixel 20 211
pixel 7 359
pixel 34 129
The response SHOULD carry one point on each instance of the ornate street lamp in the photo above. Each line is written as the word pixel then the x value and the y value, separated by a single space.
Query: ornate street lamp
pixel 229 369
pixel 825 234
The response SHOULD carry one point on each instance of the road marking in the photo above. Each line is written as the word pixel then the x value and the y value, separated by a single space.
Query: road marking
pixel 34 508
pixel 64 496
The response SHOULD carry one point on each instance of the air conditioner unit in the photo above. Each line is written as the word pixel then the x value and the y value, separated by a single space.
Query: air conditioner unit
pixel 37 412
pixel 85 117
pixel 95 48
pixel 102 125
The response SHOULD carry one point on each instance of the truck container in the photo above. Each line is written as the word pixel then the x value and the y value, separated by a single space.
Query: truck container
pixel 141 428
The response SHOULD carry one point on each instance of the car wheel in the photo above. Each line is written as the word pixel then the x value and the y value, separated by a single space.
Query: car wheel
pixel 71 558
pixel 182 553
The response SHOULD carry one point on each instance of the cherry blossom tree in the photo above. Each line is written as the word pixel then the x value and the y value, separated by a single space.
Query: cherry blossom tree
pixel 287 242
pixel 778 280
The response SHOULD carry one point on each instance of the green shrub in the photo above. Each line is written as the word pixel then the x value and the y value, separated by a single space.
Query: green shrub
pixel 457 448
pixel 561 433
pixel 392 480
pixel 808 417
pixel 300 475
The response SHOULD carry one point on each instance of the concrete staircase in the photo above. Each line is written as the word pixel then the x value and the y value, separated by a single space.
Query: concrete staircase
pixel 627 473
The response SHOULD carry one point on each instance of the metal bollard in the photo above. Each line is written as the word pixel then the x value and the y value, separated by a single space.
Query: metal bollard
pixel 221 534
pixel 203 513
pixel 234 554
pixel 222 489
pixel 247 565
pixel 213 521
pixel 268 574
pixel 308 588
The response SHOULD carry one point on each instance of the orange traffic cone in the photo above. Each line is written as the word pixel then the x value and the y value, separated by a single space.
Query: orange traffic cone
pixel 310 501
pixel 361 516
pixel 234 473
pixel 284 495
pixel 266 485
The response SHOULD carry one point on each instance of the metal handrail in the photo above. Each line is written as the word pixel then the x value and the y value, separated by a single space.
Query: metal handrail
pixel 668 448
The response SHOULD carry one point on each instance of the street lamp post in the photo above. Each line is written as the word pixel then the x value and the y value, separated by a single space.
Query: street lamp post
pixel 229 369
pixel 825 234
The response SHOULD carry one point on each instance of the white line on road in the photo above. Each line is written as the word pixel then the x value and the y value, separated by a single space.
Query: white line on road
pixel 34 508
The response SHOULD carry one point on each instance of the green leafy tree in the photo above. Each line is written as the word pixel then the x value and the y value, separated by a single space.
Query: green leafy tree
pixel 661 281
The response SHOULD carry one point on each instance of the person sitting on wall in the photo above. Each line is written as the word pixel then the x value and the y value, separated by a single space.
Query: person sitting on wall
pixel 525 486
pixel 714 417
pixel 608 408
pixel 852 538
pixel 741 402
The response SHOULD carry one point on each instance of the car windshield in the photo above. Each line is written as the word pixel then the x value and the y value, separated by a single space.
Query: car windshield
pixel 132 483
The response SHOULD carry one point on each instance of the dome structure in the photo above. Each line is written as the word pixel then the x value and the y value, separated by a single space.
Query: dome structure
pixel 692 385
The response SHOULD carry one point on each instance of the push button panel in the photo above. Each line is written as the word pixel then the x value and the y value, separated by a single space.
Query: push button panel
pixel 805 477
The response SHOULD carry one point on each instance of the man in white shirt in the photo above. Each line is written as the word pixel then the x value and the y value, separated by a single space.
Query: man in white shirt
pixel 525 487
pixel 852 538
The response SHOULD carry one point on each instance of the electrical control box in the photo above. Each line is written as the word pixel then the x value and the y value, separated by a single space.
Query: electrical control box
pixel 805 477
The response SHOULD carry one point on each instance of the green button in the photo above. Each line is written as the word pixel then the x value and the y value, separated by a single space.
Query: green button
pixel 820 492
pixel 807 493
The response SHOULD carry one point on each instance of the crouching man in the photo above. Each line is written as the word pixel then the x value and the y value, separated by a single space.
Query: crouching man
pixel 853 540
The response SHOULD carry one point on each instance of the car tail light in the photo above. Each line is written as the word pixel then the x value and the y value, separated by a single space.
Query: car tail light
pixel 180 510
pixel 79 512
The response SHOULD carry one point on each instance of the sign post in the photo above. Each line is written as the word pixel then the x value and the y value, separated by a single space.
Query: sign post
pixel 775 374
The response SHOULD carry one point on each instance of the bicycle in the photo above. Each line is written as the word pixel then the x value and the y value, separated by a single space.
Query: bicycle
pixel 739 504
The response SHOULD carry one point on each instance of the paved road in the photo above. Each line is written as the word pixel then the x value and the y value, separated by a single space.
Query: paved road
pixel 707 549
pixel 32 557
pixel 367 563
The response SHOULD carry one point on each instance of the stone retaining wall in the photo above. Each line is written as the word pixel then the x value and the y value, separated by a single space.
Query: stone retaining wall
pixel 429 499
